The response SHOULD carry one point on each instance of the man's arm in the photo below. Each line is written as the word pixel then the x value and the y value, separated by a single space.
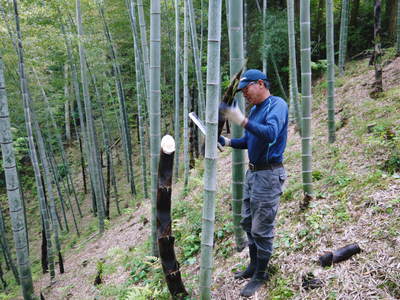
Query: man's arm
pixel 240 143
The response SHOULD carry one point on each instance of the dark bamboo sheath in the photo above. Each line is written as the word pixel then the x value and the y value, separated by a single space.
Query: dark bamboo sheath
pixel 165 239
pixel 339 255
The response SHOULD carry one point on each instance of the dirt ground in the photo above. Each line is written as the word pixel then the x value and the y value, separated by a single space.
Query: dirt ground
pixel 363 277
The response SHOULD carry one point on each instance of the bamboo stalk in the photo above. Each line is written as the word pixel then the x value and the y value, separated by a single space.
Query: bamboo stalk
pixel 305 49
pixel 330 53
pixel 32 146
pixel 213 90
pixel 185 96
pixel 155 92
pixel 141 93
pixel 93 157
pixel 292 63
pixel 344 25
pixel 236 62
pixel 4 244
pixel 177 90
pixel 398 29
pixel 164 223
pixel 145 50
pixel 196 54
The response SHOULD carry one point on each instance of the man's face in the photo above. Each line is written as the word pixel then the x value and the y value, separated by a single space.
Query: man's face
pixel 253 92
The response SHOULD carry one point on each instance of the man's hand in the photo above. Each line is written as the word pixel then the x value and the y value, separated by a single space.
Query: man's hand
pixel 233 113
pixel 224 141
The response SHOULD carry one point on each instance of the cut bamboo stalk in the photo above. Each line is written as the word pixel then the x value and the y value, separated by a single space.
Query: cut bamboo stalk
pixel 164 232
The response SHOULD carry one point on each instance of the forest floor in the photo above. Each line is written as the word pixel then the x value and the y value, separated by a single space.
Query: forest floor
pixel 357 200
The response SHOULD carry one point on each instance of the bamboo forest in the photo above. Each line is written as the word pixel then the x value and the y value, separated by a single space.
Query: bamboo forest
pixel 199 149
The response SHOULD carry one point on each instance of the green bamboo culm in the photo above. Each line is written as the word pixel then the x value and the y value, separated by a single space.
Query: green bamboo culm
pixel 197 61
pixel 398 28
pixel 49 186
pixel 155 92
pixel 145 50
pixel 344 27
pixel 94 168
pixel 264 48
pixel 14 193
pixel 185 95
pixel 305 50
pixel 59 142
pixel 32 147
pixel 177 130
pixel 236 63
pixel 126 136
pixel 294 101
pixel 210 159
pixel 377 85
pixel 330 53
pixel 141 94
pixel 77 93
pixel 3 239
pixel 278 77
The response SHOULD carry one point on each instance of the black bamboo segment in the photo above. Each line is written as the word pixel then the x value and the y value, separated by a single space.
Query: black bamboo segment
pixel 165 239
pixel 339 255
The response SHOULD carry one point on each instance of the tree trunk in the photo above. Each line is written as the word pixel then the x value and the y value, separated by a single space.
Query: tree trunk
pixel 67 106
pixel 213 90
pixel 344 21
pixel 4 244
pixel 155 62
pixel 79 105
pixel 355 6
pixel 294 102
pixel 164 223
pixel 236 63
pixel 94 168
pixel 264 44
pixel 32 146
pixel 318 25
pixel 306 100
pixel 145 50
pixel 126 136
pixel 330 56
pixel 398 29
pixel 70 183
pixel 177 130
pixel 390 13
pixel 195 47
pixel 13 188
pixel 377 86
pixel 186 95
pixel 141 93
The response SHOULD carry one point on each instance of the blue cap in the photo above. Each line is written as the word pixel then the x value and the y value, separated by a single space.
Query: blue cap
pixel 250 76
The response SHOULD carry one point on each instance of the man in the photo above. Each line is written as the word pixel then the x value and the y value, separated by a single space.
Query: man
pixel 265 138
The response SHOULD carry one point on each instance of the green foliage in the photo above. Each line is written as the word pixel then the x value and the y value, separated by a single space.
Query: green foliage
pixel 319 67
pixel 281 289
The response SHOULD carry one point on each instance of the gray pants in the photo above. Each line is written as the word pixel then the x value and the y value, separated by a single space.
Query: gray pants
pixel 262 191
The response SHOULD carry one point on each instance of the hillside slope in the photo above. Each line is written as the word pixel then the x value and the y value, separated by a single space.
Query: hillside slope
pixel 357 189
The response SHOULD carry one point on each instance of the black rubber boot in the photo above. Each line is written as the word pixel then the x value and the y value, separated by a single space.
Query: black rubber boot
pixel 251 267
pixel 258 279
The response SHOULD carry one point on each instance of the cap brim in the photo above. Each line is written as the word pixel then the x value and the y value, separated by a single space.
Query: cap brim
pixel 243 84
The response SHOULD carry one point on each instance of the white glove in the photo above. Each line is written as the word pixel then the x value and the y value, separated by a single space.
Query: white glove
pixel 234 114
pixel 224 141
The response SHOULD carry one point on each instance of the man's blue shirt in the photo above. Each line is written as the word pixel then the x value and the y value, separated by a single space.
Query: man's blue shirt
pixel 266 132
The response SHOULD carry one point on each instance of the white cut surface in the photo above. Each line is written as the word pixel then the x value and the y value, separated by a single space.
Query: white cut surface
pixel 168 144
